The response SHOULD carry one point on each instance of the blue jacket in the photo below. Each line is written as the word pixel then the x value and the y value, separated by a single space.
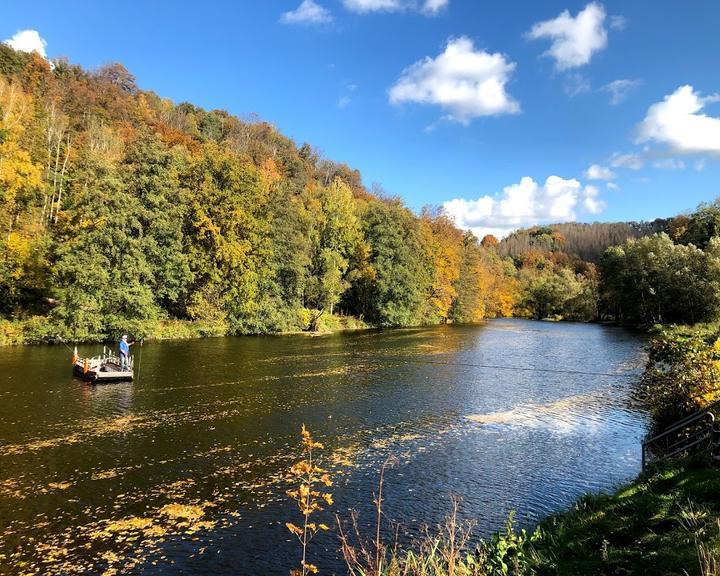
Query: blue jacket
pixel 124 348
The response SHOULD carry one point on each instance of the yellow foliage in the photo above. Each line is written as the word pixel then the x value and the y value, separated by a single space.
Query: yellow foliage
pixel 185 511
pixel 443 240
pixel 308 475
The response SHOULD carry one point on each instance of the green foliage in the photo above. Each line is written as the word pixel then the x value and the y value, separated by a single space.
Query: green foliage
pixel 396 291
pixel 11 62
pixel 508 554
pixel 653 280
pixel 700 227
pixel 553 290
pixel 102 273
pixel 682 373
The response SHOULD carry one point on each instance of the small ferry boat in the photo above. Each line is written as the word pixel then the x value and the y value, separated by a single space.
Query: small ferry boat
pixel 103 368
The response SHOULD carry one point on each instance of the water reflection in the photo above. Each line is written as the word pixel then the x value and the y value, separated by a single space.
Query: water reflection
pixel 182 471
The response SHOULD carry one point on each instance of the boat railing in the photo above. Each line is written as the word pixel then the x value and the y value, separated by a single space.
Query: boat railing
pixel 107 356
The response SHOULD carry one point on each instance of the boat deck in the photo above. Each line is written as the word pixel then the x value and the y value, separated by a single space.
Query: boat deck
pixel 102 369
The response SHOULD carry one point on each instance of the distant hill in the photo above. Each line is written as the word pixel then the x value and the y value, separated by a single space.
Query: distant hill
pixel 586 241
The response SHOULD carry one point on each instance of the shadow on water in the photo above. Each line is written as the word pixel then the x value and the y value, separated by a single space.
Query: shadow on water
pixel 182 472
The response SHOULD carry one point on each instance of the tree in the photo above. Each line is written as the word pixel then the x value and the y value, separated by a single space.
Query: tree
pixel 338 234
pixel 152 174
pixel 654 280
pixel 442 241
pixel 103 277
pixel 228 228
pixel 395 294
pixel 489 241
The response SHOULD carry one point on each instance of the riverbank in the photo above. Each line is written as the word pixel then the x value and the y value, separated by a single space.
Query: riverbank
pixel 40 330
pixel 664 523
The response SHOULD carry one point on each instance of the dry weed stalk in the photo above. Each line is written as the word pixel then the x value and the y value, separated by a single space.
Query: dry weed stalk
pixel 437 553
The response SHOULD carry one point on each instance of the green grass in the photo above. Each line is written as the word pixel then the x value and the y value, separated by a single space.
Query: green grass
pixel 665 523
pixel 652 526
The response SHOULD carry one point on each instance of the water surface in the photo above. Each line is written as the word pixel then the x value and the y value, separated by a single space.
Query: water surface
pixel 183 471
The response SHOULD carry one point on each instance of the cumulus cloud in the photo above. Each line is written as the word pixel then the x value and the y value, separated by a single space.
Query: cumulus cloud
pixel 526 203
pixel 466 82
pixel 28 41
pixel 434 6
pixel 597 172
pixel 678 122
pixel 632 161
pixel 612 186
pixel 619 89
pixel 574 39
pixel 591 203
pixel 309 12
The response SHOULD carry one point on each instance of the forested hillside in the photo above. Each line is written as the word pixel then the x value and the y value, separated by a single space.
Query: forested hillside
pixel 586 241
pixel 122 211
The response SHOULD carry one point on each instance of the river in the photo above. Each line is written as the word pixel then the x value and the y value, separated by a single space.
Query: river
pixel 184 470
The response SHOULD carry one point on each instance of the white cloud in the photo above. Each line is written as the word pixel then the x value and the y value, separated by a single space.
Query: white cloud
pixel 309 12
pixel 597 172
pixel 434 6
pixel 574 40
pixel 28 41
pixel 619 89
pixel 465 82
pixel 618 22
pixel 364 6
pixel 632 161
pixel 612 186
pixel 427 7
pixel 591 203
pixel 677 121
pixel 700 165
pixel 526 203
pixel 669 164
pixel 344 102
pixel 576 84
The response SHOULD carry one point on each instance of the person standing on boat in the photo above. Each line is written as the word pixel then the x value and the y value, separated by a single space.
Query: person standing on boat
pixel 125 352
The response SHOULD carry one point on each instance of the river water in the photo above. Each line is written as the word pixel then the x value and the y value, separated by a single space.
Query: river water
pixel 184 471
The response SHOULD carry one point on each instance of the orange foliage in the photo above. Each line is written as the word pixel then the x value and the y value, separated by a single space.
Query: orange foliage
pixel 489 241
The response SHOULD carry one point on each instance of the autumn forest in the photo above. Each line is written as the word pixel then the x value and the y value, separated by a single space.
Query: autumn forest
pixel 125 212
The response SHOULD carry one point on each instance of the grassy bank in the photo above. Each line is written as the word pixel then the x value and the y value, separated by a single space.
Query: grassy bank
pixel 665 523
pixel 40 330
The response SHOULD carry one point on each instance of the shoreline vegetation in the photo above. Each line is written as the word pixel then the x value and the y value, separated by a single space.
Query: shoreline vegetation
pixel 36 330
pixel 664 523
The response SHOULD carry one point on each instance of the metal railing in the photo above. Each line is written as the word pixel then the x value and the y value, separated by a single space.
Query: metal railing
pixel 693 433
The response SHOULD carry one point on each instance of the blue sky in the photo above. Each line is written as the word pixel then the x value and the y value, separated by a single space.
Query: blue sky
pixel 498 110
